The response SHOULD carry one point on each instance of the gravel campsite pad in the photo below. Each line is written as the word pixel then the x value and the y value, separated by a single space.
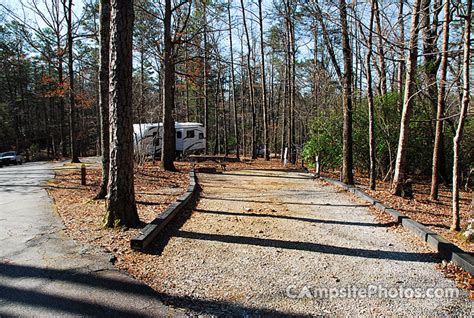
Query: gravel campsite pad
pixel 265 241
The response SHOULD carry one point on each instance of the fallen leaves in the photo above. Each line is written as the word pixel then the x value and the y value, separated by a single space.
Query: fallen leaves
pixel 83 216
pixel 462 278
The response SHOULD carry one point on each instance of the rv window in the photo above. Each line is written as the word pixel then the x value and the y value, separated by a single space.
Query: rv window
pixel 201 136
pixel 179 134
pixel 189 133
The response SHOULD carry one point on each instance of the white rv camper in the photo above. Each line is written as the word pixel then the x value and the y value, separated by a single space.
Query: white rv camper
pixel 190 138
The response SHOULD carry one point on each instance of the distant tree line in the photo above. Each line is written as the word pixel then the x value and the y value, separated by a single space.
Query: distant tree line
pixel 377 86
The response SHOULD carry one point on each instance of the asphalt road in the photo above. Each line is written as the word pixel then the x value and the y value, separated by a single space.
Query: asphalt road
pixel 44 273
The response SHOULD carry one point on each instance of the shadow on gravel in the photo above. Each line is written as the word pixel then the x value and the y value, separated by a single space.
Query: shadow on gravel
pixel 310 247
pixel 224 308
pixel 285 217
pixel 290 203
pixel 264 176
pixel 100 308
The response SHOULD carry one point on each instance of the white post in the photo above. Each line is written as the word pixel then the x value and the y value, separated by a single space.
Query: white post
pixel 285 157
pixel 317 173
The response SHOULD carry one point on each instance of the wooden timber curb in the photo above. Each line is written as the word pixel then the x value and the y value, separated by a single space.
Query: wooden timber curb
pixel 444 248
pixel 151 231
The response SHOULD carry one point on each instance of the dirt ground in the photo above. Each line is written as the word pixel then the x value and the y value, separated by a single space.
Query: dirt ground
pixel 256 235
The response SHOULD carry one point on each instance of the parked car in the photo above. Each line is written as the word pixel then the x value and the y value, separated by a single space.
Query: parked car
pixel 11 157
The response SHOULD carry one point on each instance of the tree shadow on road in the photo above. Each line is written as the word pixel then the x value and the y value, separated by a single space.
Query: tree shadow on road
pixel 97 282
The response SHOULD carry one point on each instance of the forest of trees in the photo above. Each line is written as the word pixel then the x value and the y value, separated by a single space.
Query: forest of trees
pixel 373 86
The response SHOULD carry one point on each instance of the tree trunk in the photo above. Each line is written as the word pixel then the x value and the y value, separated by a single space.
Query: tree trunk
pixel 431 66
pixel 284 107
pixel 104 94
pixel 61 108
pixel 430 50
pixel 224 121
pixel 289 137
pixel 168 151
pixel 206 97
pixel 347 164
pixel 232 74
pixel 72 106
pixel 242 97
pixel 438 144
pixel 141 104
pixel 382 65
pixel 400 164
pixel 252 94
pixel 264 85
pixel 315 69
pixel 456 222
pixel 216 113
pixel 186 68
pixel 121 207
pixel 292 94
pixel 370 100
pixel 401 63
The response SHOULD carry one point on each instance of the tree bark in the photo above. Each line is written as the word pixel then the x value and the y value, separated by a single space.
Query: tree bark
pixel 217 140
pixel 400 164
pixel 206 97
pixel 284 108
pixel 438 144
pixel 168 146
pixel 401 63
pixel 347 163
pixel 431 66
pixel 290 80
pixel 266 152
pixel 59 53
pixel 186 68
pixel 242 97
pixel 370 100
pixel 456 221
pixel 381 53
pixel 104 93
pixel 252 94
pixel 121 207
pixel 72 106
pixel 224 121
pixel 232 74
pixel 61 101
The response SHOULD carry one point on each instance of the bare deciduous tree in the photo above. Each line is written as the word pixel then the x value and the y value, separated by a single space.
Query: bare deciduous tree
pixel 400 164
